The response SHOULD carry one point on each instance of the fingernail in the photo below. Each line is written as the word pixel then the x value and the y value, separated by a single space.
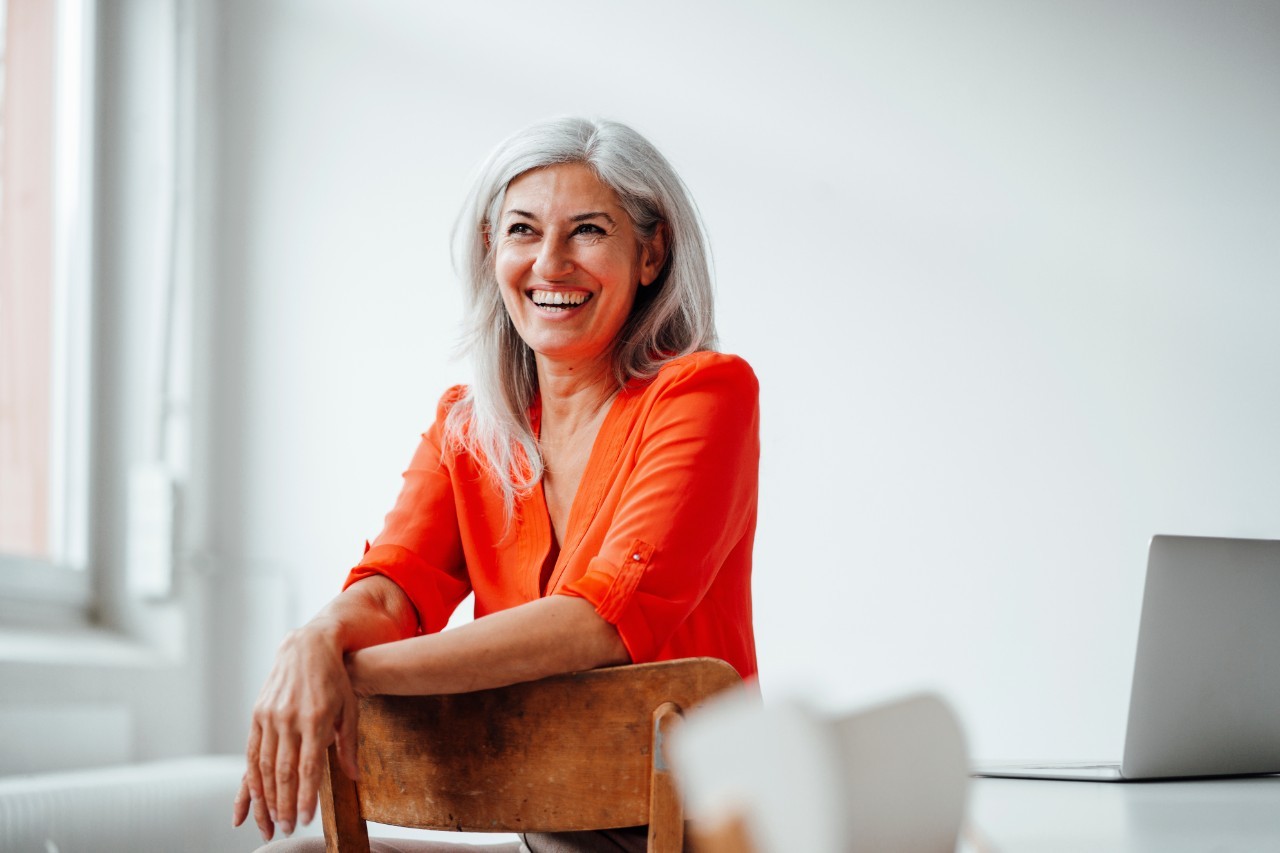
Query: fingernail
pixel 272 812
pixel 286 828
pixel 306 818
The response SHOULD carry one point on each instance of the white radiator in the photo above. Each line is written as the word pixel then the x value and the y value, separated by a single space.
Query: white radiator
pixel 182 805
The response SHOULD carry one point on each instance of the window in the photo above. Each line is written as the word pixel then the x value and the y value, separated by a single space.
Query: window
pixel 44 297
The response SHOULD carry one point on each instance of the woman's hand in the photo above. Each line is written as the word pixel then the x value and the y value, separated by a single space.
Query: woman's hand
pixel 306 704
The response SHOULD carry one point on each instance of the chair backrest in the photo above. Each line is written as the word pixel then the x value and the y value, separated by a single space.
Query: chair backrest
pixel 571 752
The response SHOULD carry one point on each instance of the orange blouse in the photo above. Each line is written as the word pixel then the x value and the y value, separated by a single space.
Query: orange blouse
pixel 658 538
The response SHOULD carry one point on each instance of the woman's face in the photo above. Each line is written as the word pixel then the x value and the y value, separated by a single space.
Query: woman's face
pixel 568 262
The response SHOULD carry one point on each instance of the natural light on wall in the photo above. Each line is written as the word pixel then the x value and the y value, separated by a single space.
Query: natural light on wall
pixel 45 297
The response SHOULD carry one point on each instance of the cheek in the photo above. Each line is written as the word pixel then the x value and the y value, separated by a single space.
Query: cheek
pixel 503 271
pixel 510 265
pixel 508 283
pixel 512 299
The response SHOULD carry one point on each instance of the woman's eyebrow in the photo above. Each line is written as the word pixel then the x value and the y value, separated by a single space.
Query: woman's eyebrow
pixel 579 217
pixel 582 217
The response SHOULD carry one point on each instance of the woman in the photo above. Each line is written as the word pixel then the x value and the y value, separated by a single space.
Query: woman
pixel 595 488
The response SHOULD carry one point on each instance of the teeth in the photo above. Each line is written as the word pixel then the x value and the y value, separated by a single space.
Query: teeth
pixel 559 297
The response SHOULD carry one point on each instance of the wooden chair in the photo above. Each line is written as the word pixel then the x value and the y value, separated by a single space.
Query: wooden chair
pixel 571 752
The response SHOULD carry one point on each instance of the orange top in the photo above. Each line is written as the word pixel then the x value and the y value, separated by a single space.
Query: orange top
pixel 658 538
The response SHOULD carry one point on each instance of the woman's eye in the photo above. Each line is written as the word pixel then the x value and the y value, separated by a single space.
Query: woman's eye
pixel 519 228
pixel 588 228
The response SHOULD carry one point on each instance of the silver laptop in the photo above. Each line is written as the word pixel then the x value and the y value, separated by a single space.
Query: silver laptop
pixel 1206 681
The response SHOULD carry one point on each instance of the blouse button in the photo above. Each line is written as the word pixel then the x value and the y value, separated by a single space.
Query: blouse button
pixel 635 557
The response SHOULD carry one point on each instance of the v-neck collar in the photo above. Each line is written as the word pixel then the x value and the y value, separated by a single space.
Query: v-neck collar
pixel 586 501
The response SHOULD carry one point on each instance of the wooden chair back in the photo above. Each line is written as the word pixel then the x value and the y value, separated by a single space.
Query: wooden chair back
pixel 572 752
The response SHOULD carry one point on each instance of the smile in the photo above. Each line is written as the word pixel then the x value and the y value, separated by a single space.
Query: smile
pixel 559 300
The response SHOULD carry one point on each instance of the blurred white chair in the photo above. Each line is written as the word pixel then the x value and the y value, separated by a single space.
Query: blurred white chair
pixel 778 778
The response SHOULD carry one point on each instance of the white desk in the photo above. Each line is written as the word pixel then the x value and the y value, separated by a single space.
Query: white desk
pixel 1035 816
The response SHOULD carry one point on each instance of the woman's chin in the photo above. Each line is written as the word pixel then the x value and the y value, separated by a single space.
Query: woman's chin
pixel 572 355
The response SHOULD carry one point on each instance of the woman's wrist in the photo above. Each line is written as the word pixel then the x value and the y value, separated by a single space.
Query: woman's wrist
pixel 399 668
pixel 320 631
pixel 358 672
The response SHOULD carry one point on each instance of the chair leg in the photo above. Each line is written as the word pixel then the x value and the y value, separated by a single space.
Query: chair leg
pixel 666 814
pixel 344 828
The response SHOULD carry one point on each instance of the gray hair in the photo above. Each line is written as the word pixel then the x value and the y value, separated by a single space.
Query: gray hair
pixel 672 317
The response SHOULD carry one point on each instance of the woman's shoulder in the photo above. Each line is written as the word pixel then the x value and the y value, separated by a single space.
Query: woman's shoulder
pixel 700 390
pixel 449 400
pixel 720 368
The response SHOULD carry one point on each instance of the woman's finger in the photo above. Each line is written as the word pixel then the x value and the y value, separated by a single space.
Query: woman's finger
pixel 240 809
pixel 265 825
pixel 252 776
pixel 267 769
pixel 310 766
pixel 287 749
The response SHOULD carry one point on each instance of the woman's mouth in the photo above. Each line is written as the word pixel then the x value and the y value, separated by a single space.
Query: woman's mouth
pixel 559 300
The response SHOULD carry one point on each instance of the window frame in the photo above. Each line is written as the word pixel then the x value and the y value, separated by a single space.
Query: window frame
pixel 63 580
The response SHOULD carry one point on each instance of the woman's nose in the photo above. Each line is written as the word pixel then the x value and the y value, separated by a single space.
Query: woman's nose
pixel 552 262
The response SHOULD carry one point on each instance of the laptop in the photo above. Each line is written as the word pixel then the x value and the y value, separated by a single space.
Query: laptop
pixel 1206 680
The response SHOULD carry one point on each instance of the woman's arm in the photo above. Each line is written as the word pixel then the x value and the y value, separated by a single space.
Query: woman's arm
pixel 309 699
pixel 308 703
pixel 545 637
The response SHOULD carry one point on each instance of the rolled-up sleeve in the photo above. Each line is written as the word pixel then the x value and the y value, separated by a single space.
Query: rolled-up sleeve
pixel 420 546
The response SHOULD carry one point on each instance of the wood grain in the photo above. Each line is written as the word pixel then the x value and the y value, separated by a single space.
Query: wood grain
pixel 666 814
pixel 565 753
pixel 344 828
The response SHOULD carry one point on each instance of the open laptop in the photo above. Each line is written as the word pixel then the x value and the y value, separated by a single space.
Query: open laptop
pixel 1206 681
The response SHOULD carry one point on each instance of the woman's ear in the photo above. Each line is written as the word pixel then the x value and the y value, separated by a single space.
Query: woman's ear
pixel 484 232
pixel 653 255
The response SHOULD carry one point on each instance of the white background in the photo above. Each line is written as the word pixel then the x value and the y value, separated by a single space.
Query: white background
pixel 1007 273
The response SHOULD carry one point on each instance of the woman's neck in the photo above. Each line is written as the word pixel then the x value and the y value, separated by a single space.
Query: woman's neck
pixel 574 394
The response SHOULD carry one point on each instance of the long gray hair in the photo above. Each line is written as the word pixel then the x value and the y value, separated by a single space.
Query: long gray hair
pixel 673 316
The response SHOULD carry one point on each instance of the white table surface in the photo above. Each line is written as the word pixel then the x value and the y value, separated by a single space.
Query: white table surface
pixel 1036 816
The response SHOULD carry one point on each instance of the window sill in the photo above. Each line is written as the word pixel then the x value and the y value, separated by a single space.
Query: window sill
pixel 26 581
pixel 78 646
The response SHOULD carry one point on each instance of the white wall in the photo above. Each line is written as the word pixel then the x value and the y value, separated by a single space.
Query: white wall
pixel 1007 273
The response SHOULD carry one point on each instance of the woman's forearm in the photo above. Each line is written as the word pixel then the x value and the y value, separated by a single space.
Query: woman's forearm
pixel 545 637
pixel 369 612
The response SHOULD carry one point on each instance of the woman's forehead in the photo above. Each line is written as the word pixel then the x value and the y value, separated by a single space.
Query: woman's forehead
pixel 564 189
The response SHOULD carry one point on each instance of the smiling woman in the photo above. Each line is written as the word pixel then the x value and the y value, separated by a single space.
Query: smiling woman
pixel 569 263
pixel 595 488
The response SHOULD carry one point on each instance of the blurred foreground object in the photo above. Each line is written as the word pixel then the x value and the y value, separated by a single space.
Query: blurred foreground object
pixel 775 778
